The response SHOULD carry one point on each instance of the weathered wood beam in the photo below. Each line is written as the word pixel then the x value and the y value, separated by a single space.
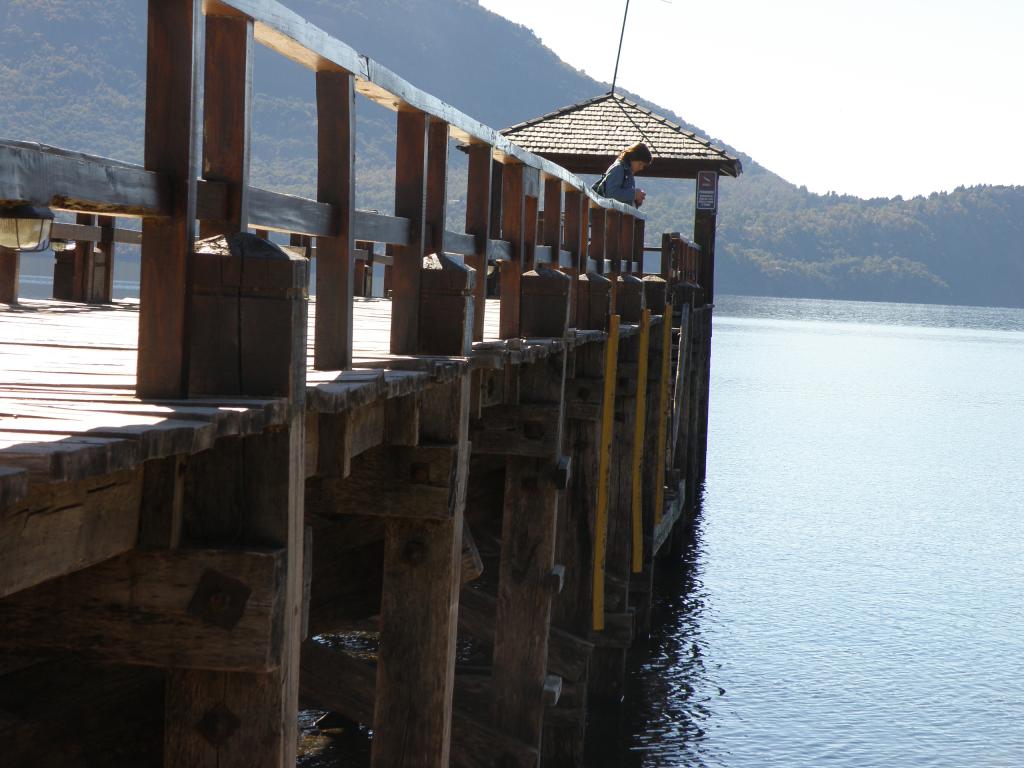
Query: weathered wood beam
pixel 174 72
pixel 513 229
pixel 410 202
pixel 41 175
pixel 568 654
pixel 531 501
pixel 197 609
pixel 286 32
pixel 422 566
pixel 227 119
pixel 335 681
pixel 336 150
pixel 59 528
pixel 529 430
pixel 392 481
pixel 478 226
pixel 10 271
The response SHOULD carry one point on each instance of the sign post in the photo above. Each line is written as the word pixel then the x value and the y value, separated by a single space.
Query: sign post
pixel 707 191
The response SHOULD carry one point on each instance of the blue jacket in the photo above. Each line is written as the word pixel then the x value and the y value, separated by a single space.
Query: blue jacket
pixel 619 183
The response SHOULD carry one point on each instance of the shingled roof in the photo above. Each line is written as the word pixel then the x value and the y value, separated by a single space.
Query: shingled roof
pixel 587 136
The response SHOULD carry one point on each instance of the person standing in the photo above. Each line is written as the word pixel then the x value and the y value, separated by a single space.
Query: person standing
pixel 618 181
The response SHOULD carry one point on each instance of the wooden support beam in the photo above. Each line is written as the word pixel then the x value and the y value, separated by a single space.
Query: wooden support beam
pixel 639 425
pixel 410 202
pixel 392 481
pixel 638 246
pixel 10 272
pixel 99 276
pixel 56 529
pixel 72 181
pixel 625 252
pixel 335 278
pixel 553 214
pixel 604 474
pixel 338 682
pixel 247 490
pixel 575 238
pixel 528 430
pixel 667 253
pixel 197 609
pixel 664 415
pixel 527 558
pixel 227 119
pixel 250 297
pixel 174 73
pixel 436 203
pixel 513 229
pixel 584 393
pixel 545 296
pixel 629 298
pixel 568 654
pixel 446 305
pixel 478 224
pixel 422 567
pixel 530 208
pixel 162 508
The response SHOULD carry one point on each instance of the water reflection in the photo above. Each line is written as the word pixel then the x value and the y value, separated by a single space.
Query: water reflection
pixel 673 685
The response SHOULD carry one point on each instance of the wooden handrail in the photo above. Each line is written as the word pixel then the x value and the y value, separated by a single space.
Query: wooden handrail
pixel 287 33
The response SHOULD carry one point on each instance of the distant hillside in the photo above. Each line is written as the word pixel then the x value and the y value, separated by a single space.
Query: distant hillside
pixel 72 73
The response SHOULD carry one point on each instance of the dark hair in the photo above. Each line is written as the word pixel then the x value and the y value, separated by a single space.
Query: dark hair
pixel 638 151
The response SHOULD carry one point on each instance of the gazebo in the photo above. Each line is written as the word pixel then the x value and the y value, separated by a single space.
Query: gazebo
pixel 586 137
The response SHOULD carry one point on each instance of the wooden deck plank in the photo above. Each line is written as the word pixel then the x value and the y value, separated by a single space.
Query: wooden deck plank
pixel 68 407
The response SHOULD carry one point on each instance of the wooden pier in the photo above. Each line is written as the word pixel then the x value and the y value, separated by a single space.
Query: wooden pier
pixel 198 487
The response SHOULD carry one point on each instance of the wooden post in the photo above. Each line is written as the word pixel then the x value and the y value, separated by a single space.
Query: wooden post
pixel 553 216
pixel 227 118
pixel 422 565
pixel 576 224
pixel 478 224
pixel 529 226
pixel 639 226
pixel 335 273
pixel 666 257
pixel 410 201
pixel 527 559
pixel 598 251
pixel 247 491
pixel 704 226
pixel 513 229
pixel 436 203
pixel 71 273
pixel 639 425
pixel 604 474
pixel 174 72
pixel 10 267
pixel 626 243
pixel 99 275
pixel 610 234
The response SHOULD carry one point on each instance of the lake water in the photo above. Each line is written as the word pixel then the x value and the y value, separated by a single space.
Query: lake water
pixel 853 594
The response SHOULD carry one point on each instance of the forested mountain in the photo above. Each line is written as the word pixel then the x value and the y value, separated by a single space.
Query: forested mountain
pixel 73 72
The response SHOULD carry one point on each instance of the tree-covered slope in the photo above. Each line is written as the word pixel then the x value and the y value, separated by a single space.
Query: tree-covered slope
pixel 73 74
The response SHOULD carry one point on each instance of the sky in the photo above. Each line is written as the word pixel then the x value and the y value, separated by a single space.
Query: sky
pixel 874 98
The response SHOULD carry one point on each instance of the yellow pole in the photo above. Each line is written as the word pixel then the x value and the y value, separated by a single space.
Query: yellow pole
pixel 638 442
pixel 666 364
pixel 611 354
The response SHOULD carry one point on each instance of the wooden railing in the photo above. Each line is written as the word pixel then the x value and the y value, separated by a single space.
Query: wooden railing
pixel 522 212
